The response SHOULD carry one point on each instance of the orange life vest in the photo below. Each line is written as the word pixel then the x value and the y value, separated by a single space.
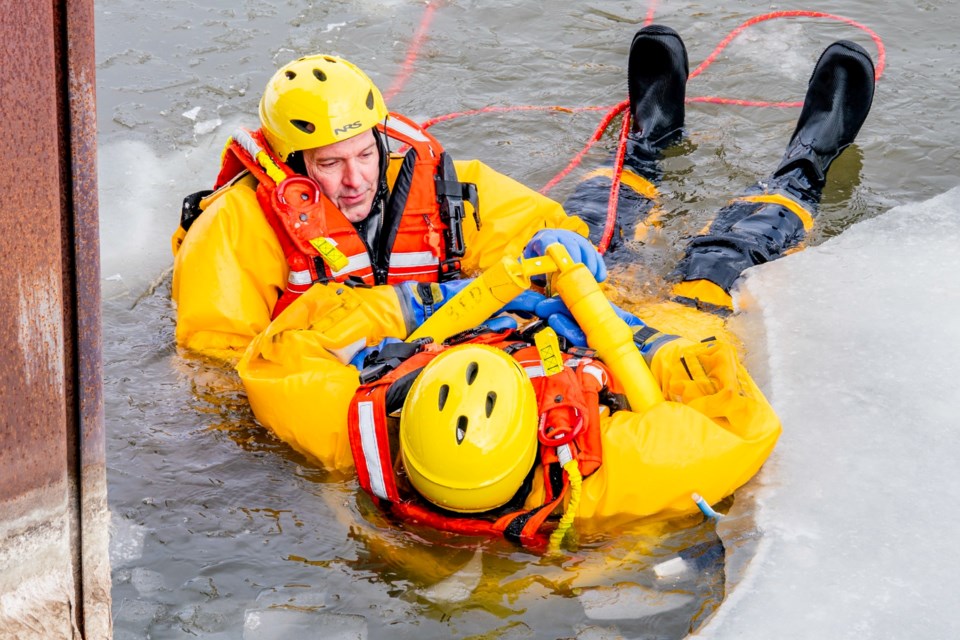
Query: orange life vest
pixel 423 216
pixel 569 407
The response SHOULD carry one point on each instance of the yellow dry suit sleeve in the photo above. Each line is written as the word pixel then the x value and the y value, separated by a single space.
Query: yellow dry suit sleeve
pixel 711 435
pixel 227 274
pixel 510 213
pixel 297 385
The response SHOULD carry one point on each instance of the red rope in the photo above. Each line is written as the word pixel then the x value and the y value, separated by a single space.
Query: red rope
pixel 881 50
pixel 614 198
pixel 426 124
pixel 621 107
pixel 412 52
pixel 592 141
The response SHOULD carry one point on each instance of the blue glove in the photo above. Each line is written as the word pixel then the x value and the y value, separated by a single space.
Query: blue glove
pixel 420 300
pixel 500 323
pixel 558 316
pixel 525 304
pixel 358 359
pixel 577 246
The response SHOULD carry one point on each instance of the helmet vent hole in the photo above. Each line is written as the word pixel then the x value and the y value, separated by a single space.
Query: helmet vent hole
pixel 444 392
pixel 329 59
pixel 461 429
pixel 472 369
pixel 303 125
pixel 290 75
pixel 370 100
pixel 319 75
pixel 491 403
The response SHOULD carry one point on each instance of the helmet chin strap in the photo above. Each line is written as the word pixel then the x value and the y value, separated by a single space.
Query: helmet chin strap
pixel 371 225
pixel 384 150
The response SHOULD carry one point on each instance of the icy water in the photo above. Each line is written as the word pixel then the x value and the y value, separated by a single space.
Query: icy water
pixel 220 531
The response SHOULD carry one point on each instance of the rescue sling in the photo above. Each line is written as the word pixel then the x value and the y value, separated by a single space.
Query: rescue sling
pixel 423 236
pixel 568 400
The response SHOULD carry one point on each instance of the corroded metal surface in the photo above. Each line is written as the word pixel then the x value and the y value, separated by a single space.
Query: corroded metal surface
pixel 32 268
pixel 54 573
pixel 80 83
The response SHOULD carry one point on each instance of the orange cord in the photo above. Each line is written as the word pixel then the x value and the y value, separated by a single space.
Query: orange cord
pixel 622 107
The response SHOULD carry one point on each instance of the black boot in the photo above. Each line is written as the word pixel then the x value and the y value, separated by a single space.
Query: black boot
pixel 838 100
pixel 657 73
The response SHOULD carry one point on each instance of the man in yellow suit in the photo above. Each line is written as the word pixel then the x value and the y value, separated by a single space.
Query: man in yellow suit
pixel 315 198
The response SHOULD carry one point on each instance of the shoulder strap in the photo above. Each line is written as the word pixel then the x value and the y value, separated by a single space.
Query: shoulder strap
pixel 439 197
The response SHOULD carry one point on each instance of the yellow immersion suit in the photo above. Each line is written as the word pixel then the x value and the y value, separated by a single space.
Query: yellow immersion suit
pixel 713 433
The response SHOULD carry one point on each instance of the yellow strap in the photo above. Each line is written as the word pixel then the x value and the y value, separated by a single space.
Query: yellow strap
pixel 330 254
pixel 636 182
pixel 276 173
pixel 704 291
pixel 576 488
pixel 783 201
pixel 548 346
pixel 226 146
pixel 651 222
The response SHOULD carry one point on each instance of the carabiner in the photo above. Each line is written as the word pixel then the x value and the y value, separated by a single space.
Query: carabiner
pixel 551 436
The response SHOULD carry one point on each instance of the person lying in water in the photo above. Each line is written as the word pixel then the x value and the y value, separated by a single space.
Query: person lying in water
pixel 768 219
pixel 711 433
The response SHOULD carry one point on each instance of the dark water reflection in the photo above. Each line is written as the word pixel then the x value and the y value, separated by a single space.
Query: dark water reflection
pixel 220 530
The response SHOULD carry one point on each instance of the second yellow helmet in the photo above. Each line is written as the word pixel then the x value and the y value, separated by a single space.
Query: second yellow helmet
pixel 468 429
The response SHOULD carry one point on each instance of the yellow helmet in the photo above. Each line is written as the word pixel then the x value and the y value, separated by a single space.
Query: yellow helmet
pixel 468 429
pixel 316 101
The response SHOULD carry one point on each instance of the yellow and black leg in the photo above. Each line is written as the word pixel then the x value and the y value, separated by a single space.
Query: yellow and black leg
pixel 657 71
pixel 775 216
pixel 636 197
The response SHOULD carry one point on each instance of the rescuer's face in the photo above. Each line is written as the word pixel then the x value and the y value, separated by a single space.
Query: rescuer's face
pixel 347 172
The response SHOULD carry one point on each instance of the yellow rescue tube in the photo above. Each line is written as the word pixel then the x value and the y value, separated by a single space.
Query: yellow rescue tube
pixel 606 332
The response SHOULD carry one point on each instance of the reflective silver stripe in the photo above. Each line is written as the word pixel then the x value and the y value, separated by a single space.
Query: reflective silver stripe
pixel 596 372
pixel 404 129
pixel 409 273
pixel 534 371
pixel 245 140
pixel 300 277
pixel 354 263
pixel 371 452
pixel 413 259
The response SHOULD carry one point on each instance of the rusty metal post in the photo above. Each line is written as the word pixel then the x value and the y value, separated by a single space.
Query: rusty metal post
pixel 54 567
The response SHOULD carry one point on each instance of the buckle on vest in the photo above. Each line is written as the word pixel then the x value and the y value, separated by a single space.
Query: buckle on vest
pixel 449 270
pixel 451 195
pixel 581 352
pixel 389 358
pixel 468 335
pixel 354 282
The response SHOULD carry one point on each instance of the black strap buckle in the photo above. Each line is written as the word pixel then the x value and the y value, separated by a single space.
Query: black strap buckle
pixel 391 356
pixel 451 194
pixel 449 270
